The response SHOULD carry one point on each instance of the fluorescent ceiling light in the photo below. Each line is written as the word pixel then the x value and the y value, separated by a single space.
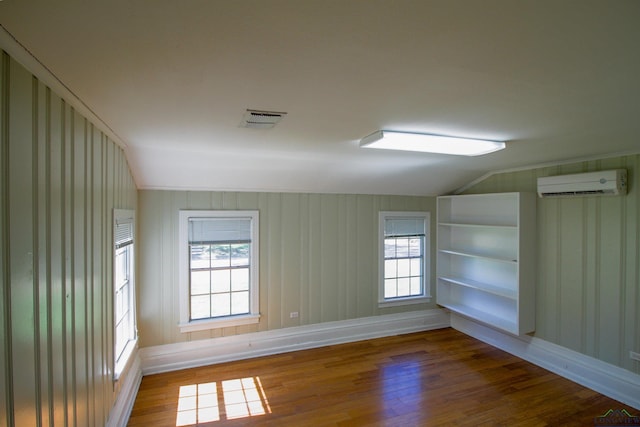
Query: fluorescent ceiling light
pixel 392 140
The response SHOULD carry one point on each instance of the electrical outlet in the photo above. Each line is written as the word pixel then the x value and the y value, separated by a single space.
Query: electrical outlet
pixel 635 356
pixel 293 315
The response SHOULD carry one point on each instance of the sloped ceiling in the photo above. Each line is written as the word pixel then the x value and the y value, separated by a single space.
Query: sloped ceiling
pixel 559 80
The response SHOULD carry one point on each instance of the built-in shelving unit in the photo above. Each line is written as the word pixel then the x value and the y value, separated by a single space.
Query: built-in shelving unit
pixel 486 258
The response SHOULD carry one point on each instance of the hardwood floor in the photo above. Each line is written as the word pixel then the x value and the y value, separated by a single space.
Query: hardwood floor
pixel 433 378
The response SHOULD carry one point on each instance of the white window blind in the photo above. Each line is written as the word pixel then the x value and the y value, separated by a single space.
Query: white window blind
pixel 404 227
pixel 216 230
pixel 123 232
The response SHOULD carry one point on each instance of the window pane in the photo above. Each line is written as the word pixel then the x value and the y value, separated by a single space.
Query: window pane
pixel 416 266
pixel 402 247
pixel 390 248
pixel 240 254
pixel 220 255
pixel 416 286
pixel 220 281
pixel 240 279
pixel 415 247
pixel 199 256
pixel 200 282
pixel 390 268
pixel 390 290
pixel 403 267
pixel 121 267
pixel 403 287
pixel 220 305
pixel 240 303
pixel 119 305
pixel 126 298
pixel 121 339
pixel 200 307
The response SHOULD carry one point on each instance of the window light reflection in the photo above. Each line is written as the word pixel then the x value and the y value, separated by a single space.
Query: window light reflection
pixel 241 398
pixel 197 403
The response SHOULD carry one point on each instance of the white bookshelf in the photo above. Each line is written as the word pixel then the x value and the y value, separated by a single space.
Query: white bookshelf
pixel 486 258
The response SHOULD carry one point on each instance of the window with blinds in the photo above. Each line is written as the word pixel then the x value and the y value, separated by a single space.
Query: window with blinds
pixel 403 256
pixel 220 281
pixel 219 261
pixel 123 287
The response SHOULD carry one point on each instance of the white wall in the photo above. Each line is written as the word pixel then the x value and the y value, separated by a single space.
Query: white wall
pixel 318 256
pixel 60 178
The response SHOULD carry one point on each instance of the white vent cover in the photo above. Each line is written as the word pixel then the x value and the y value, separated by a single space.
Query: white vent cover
pixel 256 119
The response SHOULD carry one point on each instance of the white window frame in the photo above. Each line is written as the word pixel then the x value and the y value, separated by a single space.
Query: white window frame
pixel 187 325
pixel 426 277
pixel 120 361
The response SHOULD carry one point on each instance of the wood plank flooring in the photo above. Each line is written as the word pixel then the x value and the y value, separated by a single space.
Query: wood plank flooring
pixel 433 378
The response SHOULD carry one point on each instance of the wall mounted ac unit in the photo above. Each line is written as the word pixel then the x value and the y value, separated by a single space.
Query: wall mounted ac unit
pixel 602 183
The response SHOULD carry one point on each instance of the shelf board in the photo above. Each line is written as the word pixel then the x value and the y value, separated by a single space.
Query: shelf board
pixel 484 317
pixel 482 287
pixel 476 225
pixel 472 255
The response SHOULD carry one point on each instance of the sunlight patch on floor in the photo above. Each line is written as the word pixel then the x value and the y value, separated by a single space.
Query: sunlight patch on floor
pixel 240 398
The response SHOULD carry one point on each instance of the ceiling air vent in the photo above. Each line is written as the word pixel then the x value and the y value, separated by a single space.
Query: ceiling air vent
pixel 256 119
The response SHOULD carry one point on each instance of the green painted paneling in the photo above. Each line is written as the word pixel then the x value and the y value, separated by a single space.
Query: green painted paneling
pixel 588 274
pixel 6 365
pixel 570 273
pixel 318 256
pixel 61 179
pixel 23 235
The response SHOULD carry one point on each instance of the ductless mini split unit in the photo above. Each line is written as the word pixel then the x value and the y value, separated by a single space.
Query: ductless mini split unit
pixel 602 183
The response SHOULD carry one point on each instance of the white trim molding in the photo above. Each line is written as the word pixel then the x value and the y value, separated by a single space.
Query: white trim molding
pixel 171 357
pixel 22 55
pixel 122 407
pixel 612 381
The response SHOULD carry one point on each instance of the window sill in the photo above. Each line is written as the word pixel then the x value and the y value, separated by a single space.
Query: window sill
pixel 125 357
pixel 404 301
pixel 204 324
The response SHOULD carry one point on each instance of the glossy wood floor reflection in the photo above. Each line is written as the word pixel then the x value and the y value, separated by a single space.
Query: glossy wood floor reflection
pixel 433 378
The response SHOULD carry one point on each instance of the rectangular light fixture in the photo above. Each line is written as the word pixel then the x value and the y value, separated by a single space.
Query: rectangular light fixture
pixel 406 141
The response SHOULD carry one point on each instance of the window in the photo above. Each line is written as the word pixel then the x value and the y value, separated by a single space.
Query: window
pixel 124 313
pixel 404 258
pixel 218 269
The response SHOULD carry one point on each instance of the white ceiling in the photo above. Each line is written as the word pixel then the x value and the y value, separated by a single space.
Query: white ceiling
pixel 559 79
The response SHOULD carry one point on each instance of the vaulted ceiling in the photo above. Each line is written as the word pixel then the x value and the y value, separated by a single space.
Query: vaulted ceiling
pixel 557 79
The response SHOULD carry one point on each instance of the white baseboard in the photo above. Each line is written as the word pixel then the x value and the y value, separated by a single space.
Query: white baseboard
pixel 171 357
pixel 119 415
pixel 612 381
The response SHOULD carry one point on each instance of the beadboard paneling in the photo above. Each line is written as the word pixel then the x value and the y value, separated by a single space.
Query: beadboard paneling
pixel 318 256
pixel 61 177
pixel 588 269
pixel 6 400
